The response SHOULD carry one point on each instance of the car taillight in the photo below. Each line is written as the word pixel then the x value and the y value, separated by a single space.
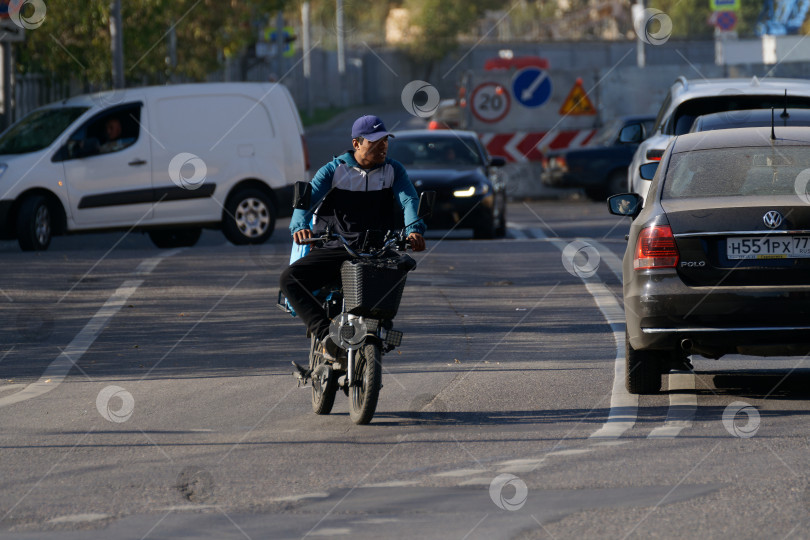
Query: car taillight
pixel 655 155
pixel 656 249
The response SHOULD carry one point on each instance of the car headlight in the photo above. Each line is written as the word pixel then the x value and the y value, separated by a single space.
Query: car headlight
pixel 480 189
pixel 3 168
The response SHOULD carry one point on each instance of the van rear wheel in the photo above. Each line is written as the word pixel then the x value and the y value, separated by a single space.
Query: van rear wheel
pixel 250 217
pixel 34 224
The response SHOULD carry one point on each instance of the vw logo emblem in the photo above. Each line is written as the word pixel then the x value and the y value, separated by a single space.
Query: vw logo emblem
pixel 772 219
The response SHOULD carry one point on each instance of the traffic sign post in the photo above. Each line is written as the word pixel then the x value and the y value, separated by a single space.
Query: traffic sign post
pixel 726 20
pixel 490 102
pixel 577 103
pixel 531 87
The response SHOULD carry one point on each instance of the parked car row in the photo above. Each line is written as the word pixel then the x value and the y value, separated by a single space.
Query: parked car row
pixel 718 253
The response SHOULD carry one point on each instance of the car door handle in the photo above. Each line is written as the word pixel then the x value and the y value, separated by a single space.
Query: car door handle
pixel 137 162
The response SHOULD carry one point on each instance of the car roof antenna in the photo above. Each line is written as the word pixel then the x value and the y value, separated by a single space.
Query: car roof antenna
pixel 773 133
pixel 784 112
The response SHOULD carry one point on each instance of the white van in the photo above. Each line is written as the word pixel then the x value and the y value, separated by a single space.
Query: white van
pixel 169 160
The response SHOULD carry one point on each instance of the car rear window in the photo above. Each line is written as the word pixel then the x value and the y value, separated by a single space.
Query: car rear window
pixel 738 172
pixel 682 119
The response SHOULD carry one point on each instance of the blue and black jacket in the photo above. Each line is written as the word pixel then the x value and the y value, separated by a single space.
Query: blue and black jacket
pixel 360 200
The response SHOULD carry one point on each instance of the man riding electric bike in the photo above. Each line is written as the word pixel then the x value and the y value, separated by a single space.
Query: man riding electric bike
pixel 356 192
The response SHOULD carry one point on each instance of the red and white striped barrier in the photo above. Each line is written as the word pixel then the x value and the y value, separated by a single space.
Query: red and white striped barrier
pixel 522 147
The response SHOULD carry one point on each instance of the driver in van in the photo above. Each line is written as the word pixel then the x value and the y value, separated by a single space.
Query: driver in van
pixel 112 131
pixel 364 186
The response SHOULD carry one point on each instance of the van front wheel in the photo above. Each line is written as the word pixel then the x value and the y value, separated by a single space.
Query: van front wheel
pixel 250 217
pixel 34 224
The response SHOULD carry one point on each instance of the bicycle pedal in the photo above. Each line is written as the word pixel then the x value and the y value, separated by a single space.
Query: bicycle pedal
pixel 301 374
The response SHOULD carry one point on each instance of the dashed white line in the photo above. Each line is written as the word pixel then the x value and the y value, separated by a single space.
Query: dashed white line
pixel 59 368
pixel 56 372
pixel 460 472
pixel 682 406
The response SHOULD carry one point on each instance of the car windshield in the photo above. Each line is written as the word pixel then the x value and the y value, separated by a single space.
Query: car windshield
pixel 445 152
pixel 38 130
pixel 737 172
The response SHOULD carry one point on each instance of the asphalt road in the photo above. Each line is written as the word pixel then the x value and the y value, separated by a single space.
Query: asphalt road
pixel 148 394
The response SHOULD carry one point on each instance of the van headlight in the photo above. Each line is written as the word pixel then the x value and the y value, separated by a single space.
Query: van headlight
pixel 480 189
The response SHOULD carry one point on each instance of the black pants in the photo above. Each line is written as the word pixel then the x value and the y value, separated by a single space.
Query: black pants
pixel 318 268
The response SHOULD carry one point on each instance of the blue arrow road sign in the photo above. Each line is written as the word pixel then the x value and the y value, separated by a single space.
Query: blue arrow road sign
pixel 531 86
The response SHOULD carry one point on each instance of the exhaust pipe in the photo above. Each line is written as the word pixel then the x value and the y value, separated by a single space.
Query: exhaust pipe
pixel 686 345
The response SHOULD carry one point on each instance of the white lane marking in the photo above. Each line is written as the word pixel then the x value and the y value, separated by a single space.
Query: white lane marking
pixel 460 472
pixel 395 483
pixel 515 231
pixel 571 452
pixel 59 368
pixel 682 406
pixel 56 372
pixel 185 507
pixel 623 404
pixel 610 443
pixel 296 498
pixel 334 531
pixel 520 465
pixel 479 481
pixel 538 233
pixel 147 265
pixel 79 518
pixel 607 255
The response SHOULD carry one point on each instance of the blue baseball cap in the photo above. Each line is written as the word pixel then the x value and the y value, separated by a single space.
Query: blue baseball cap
pixel 369 127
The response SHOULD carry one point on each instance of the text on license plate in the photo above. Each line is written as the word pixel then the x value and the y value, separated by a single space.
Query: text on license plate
pixel 768 247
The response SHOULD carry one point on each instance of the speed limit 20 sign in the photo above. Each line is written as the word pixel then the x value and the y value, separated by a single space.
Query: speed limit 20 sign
pixel 490 102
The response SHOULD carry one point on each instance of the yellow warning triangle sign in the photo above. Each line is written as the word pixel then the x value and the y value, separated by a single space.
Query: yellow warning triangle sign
pixel 577 102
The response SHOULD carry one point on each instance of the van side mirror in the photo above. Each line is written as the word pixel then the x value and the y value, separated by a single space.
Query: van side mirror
pixel 426 201
pixel 632 134
pixel 625 204
pixel 647 171
pixel 302 195
pixel 497 161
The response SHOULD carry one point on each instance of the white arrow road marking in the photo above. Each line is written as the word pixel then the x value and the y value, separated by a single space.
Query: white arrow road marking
pixel 532 88
pixel 56 372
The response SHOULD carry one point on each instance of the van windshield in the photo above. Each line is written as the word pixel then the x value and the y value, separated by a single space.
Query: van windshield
pixel 38 130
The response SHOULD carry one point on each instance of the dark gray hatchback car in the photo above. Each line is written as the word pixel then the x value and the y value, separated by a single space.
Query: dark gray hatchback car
pixel 718 261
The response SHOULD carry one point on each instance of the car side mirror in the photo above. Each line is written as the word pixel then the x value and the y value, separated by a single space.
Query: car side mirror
pixel 625 204
pixel 497 161
pixel 647 171
pixel 632 134
pixel 302 195
pixel 426 201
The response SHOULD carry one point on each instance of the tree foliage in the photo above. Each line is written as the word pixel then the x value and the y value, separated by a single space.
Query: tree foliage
pixel 74 40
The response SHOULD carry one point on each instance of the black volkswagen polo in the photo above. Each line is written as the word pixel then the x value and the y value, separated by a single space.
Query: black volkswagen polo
pixel 718 261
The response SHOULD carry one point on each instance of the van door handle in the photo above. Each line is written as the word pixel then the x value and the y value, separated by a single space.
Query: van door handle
pixel 137 162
